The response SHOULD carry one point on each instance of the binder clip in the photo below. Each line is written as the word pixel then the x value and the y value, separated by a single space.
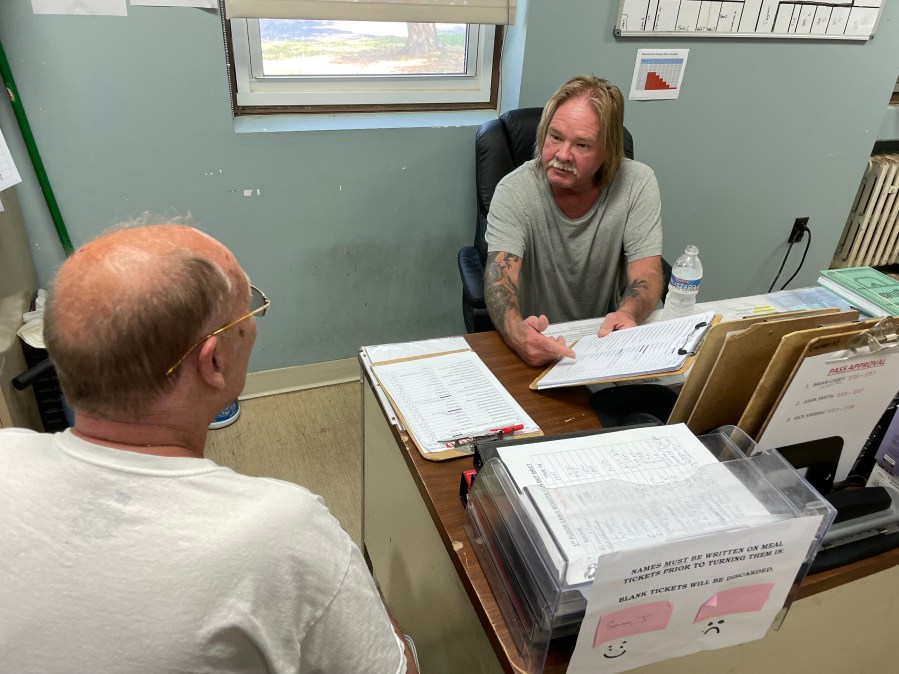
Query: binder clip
pixel 880 337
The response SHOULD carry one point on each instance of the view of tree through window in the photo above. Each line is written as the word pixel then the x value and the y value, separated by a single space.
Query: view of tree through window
pixel 353 48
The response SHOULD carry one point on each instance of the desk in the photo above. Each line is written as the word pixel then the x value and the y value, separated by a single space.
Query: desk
pixel 413 533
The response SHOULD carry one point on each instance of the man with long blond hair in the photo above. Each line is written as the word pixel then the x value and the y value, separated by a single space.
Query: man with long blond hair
pixel 569 229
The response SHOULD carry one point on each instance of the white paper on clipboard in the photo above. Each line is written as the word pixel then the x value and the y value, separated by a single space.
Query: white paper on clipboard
pixel 838 395
pixel 381 353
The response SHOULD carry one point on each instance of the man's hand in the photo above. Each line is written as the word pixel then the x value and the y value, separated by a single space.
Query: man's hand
pixel 527 340
pixel 617 320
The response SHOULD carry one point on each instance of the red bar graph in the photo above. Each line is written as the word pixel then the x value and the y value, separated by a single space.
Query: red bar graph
pixel 654 81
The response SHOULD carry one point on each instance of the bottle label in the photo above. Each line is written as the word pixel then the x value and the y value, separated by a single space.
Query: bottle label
pixel 683 285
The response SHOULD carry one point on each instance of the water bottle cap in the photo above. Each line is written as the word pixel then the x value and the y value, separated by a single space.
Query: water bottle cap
pixel 691 249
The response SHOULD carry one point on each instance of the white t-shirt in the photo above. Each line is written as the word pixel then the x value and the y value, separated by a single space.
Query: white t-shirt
pixel 115 561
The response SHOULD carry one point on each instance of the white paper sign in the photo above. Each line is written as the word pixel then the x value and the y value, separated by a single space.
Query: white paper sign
pixel 839 399
pixel 651 604
pixel 90 7
pixel 9 174
pixel 658 74
pixel 202 4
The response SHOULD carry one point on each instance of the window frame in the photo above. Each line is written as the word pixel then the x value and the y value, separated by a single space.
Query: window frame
pixel 252 96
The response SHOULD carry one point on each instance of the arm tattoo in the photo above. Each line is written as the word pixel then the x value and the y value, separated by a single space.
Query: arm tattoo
pixel 634 287
pixel 500 292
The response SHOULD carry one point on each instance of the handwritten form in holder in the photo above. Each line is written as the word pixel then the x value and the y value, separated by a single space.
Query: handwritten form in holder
pixel 653 348
pixel 449 395
pixel 603 493
pixel 837 391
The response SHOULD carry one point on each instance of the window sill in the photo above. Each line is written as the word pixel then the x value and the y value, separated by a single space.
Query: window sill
pixel 347 121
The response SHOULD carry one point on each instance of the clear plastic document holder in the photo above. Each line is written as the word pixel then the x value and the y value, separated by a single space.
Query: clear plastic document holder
pixel 541 592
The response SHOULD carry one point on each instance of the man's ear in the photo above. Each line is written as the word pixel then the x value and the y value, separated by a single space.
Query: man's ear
pixel 210 365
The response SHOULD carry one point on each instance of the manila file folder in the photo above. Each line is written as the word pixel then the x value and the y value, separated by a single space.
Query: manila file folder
pixel 708 354
pixel 778 372
pixel 741 364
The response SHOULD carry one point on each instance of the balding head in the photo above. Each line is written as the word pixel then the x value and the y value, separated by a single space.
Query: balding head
pixel 126 306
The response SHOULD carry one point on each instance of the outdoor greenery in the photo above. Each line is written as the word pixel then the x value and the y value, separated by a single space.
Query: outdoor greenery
pixel 365 51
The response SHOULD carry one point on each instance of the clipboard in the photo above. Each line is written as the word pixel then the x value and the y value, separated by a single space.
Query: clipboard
pixel 685 366
pixel 779 370
pixel 708 354
pixel 741 364
pixel 408 433
pixel 837 391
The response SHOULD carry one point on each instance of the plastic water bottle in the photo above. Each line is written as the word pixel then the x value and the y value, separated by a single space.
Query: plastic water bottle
pixel 683 287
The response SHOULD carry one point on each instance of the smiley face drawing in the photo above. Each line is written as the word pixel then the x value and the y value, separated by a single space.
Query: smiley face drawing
pixel 712 626
pixel 612 647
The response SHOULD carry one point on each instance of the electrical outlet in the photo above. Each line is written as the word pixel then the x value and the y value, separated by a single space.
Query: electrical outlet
pixel 798 230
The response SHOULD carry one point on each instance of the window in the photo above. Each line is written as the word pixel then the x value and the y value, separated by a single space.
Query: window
pixel 290 65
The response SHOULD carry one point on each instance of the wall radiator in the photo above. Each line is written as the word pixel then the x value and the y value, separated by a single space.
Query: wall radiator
pixel 871 235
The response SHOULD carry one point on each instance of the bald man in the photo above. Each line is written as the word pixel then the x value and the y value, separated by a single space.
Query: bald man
pixel 123 549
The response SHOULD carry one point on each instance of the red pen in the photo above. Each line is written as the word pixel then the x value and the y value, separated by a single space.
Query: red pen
pixel 508 429
pixel 493 433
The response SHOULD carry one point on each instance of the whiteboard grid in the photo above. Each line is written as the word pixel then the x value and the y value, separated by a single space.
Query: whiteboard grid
pixel 835 20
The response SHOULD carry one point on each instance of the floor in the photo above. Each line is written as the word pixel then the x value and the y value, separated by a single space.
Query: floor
pixel 311 437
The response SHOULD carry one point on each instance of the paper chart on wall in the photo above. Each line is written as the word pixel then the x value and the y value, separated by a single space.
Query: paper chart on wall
pixel 9 174
pixel 658 74
pixel 201 4
pixel 818 19
pixel 88 7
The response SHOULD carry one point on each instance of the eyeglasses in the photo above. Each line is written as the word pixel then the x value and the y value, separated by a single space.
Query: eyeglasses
pixel 259 304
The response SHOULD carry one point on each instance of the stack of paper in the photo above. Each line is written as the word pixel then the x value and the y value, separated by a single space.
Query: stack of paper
pixel 605 493
pixel 653 348
pixel 444 397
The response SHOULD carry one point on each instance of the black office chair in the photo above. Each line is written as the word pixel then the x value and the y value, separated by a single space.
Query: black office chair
pixel 501 145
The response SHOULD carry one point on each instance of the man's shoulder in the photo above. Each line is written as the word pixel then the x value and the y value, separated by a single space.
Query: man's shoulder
pixel 271 493
pixel 525 177
pixel 283 515
pixel 25 439
pixel 632 169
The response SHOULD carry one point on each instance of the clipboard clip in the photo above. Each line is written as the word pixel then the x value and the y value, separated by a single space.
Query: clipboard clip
pixel 881 337
pixel 691 351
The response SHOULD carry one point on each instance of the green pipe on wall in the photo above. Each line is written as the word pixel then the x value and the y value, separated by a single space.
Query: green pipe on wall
pixel 33 153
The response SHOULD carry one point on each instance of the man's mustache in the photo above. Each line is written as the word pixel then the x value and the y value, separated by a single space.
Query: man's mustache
pixel 562 166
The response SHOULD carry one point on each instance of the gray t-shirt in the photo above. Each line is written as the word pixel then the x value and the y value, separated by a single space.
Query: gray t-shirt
pixel 574 269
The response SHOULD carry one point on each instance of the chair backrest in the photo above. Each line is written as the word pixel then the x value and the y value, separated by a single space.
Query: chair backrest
pixel 501 146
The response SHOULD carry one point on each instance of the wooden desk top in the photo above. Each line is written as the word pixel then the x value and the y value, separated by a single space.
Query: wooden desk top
pixel 555 411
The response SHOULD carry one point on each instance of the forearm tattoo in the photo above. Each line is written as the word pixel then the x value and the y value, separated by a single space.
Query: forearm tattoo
pixel 634 287
pixel 500 292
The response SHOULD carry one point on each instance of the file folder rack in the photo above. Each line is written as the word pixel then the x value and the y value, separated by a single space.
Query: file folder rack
pixel 528 573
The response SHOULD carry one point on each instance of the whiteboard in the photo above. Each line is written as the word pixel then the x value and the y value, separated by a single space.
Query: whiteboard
pixel 834 20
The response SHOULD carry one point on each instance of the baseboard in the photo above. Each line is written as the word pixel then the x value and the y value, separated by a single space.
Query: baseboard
pixel 299 377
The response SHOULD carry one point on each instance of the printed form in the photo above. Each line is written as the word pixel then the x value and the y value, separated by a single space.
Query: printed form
pixel 634 488
pixel 648 349
pixel 451 395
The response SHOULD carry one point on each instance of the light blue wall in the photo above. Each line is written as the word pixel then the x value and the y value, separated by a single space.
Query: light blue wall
pixel 764 131
pixel 354 233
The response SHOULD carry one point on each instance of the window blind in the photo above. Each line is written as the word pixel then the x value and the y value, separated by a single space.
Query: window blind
pixel 418 11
